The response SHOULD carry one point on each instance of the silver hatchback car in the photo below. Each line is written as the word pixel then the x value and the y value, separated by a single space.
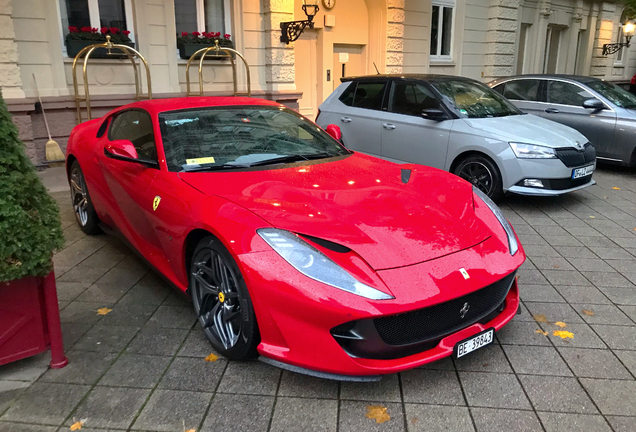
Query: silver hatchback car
pixel 604 112
pixel 462 126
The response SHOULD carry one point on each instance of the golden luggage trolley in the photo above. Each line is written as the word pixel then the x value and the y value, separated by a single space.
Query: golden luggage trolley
pixel 86 52
pixel 203 52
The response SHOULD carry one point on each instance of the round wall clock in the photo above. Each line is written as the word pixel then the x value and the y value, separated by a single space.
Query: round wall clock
pixel 328 4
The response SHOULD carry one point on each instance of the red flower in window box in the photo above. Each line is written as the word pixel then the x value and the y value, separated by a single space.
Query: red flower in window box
pixel 196 34
pixel 113 30
pixel 86 29
pixel 217 34
pixel 104 30
pixel 227 36
pixel 94 30
pixel 125 32
pixel 184 34
pixel 73 29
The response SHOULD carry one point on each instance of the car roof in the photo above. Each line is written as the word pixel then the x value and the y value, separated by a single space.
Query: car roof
pixel 422 77
pixel 155 106
pixel 577 78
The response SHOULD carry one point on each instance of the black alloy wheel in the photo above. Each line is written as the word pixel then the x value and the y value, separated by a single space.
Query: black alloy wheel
pixel 481 172
pixel 80 199
pixel 222 301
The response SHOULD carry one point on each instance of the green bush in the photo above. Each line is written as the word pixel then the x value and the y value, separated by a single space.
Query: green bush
pixel 30 226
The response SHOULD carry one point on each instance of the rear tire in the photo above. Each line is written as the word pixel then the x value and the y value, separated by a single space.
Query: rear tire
pixel 481 172
pixel 222 302
pixel 85 214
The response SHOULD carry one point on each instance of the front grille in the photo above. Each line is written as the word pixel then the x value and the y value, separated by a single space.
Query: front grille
pixel 566 183
pixel 435 322
pixel 572 157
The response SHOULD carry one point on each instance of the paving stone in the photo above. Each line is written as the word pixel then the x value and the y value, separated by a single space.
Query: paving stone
pixel 491 419
pixel 531 277
pixel 46 403
pixel 107 257
pixel 83 312
pixel 9 392
pixel 611 253
pixel 487 359
pixel 590 264
pixel 106 339
pixel 249 413
pixel 83 368
pixel 299 385
pixel 445 363
pixel 521 333
pixel 594 363
pixel 251 377
pixel 70 290
pixel 608 279
pixel 144 294
pixel 105 293
pixel 291 414
pixel 385 390
pixel 352 417
pixel 71 333
pixel 628 358
pixel 177 298
pixel 624 266
pixel 152 279
pixel 560 394
pixel 597 242
pixel 536 360
pixel 582 294
pixel 21 427
pixel 28 369
pixel 174 317
pixel 616 397
pixel 196 345
pixel 564 278
pixel 170 410
pixel 435 418
pixel 622 424
pixel 192 373
pixel 605 314
pixel 583 336
pixel 540 293
pixel 563 422
pixel 493 390
pixel 431 386
pixel 617 337
pixel 134 370
pixel 540 250
pixel 157 341
pixel 621 296
pixel 122 278
pixel 572 252
pixel 83 274
pixel 554 312
pixel 111 407
pixel 135 315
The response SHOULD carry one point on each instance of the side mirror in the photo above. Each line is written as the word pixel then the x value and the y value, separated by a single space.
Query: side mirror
pixel 594 104
pixel 434 114
pixel 121 149
pixel 334 131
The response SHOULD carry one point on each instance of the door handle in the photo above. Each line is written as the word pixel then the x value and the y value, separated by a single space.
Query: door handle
pixel 388 126
pixel 346 119
pixel 551 110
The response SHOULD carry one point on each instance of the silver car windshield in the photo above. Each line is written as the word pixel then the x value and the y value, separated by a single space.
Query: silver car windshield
pixel 615 94
pixel 474 100
pixel 204 139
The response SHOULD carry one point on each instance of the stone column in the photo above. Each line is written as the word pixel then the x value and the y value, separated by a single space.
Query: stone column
pixel 603 35
pixel 280 73
pixel 395 37
pixel 545 10
pixel 10 79
pixel 500 39
pixel 575 27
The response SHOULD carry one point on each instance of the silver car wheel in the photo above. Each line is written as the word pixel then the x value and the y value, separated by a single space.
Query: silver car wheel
pixel 79 196
pixel 479 175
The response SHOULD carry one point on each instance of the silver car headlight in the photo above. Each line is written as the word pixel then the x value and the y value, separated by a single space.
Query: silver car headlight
pixel 532 151
pixel 314 264
pixel 512 239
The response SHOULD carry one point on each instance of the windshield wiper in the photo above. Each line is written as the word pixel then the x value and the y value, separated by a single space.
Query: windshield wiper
pixel 291 158
pixel 215 167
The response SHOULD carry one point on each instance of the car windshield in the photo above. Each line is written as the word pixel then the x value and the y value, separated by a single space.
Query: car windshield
pixel 236 137
pixel 474 100
pixel 615 94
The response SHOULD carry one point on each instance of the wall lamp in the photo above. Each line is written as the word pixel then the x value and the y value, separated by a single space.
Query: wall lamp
pixel 628 32
pixel 291 30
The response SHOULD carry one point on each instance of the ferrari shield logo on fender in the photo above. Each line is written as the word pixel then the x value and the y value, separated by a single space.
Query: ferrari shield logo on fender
pixel 156 202
pixel 464 273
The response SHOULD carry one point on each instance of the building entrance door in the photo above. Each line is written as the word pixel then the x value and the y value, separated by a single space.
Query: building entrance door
pixel 306 73
pixel 348 61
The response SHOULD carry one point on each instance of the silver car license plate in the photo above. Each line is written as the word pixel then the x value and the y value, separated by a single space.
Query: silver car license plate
pixel 582 172
pixel 474 343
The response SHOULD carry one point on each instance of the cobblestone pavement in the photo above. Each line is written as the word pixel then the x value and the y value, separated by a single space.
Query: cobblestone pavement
pixel 141 366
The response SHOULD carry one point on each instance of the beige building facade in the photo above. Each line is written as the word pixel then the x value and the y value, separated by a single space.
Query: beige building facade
pixel 481 39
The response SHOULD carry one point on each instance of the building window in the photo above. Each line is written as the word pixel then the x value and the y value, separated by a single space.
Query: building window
pixel 96 13
pixel 442 30
pixel 620 54
pixel 202 16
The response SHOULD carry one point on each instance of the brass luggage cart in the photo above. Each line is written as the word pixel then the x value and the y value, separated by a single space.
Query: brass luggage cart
pixel 203 52
pixel 86 54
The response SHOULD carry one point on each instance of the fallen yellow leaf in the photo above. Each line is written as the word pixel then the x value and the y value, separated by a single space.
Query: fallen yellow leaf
pixel 191 430
pixel 634 229
pixel 414 420
pixel 592 217
pixel 560 324
pixel 540 318
pixel 563 334
pixel 211 358
pixel 104 311
pixel 78 424
pixel 616 188
pixel 378 413
pixel 588 312
pixel 539 331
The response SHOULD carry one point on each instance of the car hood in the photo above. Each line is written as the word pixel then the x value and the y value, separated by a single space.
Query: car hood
pixel 528 129
pixel 360 202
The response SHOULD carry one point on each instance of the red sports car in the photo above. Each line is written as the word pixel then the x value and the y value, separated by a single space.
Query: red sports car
pixel 321 260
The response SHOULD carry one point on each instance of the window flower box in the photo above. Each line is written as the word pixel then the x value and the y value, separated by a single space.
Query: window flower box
pixel 189 44
pixel 78 39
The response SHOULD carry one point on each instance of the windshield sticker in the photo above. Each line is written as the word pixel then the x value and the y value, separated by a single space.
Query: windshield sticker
pixel 463 111
pixel 200 161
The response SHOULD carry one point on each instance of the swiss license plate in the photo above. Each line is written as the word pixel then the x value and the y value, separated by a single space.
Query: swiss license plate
pixel 474 343
pixel 582 172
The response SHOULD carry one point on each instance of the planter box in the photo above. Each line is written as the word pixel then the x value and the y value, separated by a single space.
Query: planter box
pixel 30 320
pixel 187 50
pixel 73 47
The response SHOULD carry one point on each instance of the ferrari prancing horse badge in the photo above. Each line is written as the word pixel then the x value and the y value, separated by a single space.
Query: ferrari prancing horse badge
pixel 156 202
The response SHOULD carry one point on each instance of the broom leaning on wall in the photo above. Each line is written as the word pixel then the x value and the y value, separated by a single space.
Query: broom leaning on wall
pixel 54 155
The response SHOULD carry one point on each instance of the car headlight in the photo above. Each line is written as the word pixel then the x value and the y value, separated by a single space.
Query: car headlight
pixel 531 151
pixel 314 264
pixel 512 239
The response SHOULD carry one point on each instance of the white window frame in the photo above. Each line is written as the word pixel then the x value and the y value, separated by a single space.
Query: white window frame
pixel 443 4
pixel 227 21
pixel 619 60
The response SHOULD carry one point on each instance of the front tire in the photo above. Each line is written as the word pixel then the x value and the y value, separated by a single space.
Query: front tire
pixel 222 302
pixel 481 172
pixel 85 214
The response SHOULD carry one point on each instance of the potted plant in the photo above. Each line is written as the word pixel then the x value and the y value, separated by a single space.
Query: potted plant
pixel 79 38
pixel 30 230
pixel 189 43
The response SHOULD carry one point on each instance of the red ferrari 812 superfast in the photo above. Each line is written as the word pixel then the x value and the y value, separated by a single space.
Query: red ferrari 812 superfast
pixel 318 259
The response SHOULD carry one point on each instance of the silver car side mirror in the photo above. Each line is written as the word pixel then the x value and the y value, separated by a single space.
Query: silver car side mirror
pixel 594 104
